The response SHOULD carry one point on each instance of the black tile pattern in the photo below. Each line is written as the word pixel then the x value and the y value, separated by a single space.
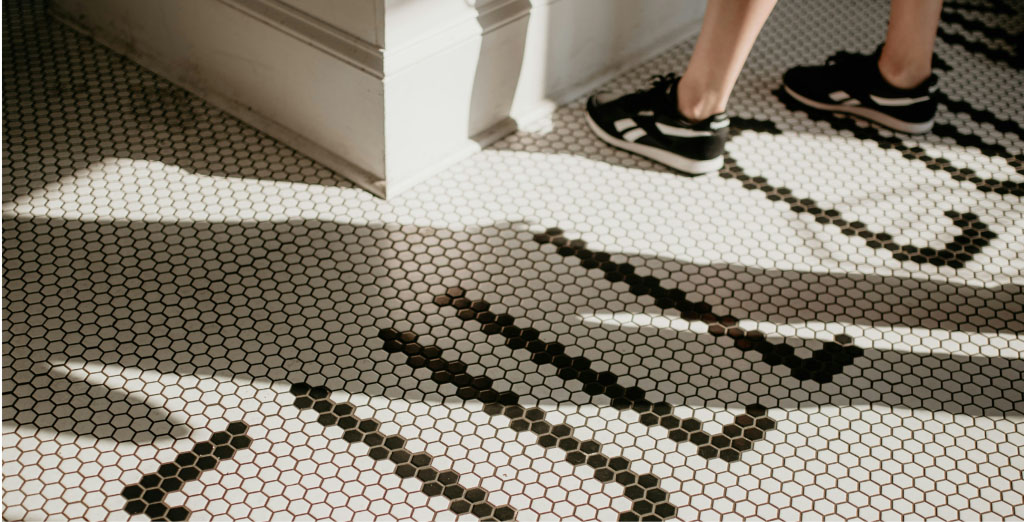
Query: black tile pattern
pixel 974 235
pixel 147 497
pixel 971 241
pixel 953 14
pixel 727 446
pixel 992 6
pixel 1000 124
pixel 392 447
pixel 974 46
pixel 650 502
pixel 946 130
pixel 970 24
pixel 824 364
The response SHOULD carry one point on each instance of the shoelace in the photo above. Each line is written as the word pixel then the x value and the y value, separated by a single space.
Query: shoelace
pixel 843 57
pixel 657 95
pixel 654 96
pixel 661 82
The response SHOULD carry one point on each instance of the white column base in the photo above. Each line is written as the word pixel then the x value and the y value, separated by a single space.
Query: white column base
pixel 396 95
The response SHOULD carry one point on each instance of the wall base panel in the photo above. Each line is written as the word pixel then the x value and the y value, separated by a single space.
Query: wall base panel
pixel 386 118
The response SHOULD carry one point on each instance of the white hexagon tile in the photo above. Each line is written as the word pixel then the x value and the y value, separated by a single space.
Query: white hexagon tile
pixel 202 323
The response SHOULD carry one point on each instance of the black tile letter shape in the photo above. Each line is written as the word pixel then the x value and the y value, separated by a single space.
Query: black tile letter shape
pixel 979 238
pixel 950 15
pixel 650 502
pixel 821 366
pixel 148 495
pixel 974 234
pixel 392 447
pixel 735 437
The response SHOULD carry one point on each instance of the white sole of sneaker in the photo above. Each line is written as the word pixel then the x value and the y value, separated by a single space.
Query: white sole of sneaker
pixel 680 163
pixel 865 113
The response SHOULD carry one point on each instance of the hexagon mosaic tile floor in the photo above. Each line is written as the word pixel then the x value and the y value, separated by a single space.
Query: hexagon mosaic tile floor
pixel 202 323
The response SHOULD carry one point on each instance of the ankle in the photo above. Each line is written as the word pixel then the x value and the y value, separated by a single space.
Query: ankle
pixel 903 75
pixel 697 102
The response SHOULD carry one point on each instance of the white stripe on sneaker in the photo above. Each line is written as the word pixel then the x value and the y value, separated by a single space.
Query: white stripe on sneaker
pixel 852 101
pixel 624 123
pixel 838 96
pixel 681 132
pixel 867 113
pixel 719 124
pixel 634 134
pixel 898 102
pixel 676 161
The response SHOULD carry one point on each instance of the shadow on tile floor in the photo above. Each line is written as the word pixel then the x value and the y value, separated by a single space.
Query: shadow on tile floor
pixel 273 300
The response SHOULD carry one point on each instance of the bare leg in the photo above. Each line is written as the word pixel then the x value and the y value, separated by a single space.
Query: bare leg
pixel 727 34
pixel 906 58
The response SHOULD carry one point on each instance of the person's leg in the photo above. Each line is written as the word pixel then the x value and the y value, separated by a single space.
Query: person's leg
pixel 728 33
pixel 681 122
pixel 906 59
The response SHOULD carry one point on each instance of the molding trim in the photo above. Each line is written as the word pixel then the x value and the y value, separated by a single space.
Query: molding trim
pixel 476 23
pixel 343 167
pixel 370 58
pixel 496 14
pixel 342 45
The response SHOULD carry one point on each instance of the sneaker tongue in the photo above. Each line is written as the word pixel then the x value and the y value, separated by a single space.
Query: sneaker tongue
pixel 670 103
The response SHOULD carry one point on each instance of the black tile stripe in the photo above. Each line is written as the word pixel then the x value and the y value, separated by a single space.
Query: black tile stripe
pixel 970 24
pixel 392 447
pixel 951 13
pixel 147 497
pixel 650 502
pixel 727 445
pixel 996 55
pixel 938 64
pixel 946 130
pixel 980 115
pixel 974 235
pixel 870 133
pixel 821 366
pixel 994 6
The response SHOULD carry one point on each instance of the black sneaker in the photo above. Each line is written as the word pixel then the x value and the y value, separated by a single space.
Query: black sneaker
pixel 648 123
pixel 851 83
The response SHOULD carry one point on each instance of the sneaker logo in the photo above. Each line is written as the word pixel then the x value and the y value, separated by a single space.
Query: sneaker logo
pixel 634 133
pixel 624 123
pixel 682 132
pixel 898 102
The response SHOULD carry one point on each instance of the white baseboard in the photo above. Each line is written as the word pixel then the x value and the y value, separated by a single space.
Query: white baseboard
pixel 450 79
pixel 252 70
